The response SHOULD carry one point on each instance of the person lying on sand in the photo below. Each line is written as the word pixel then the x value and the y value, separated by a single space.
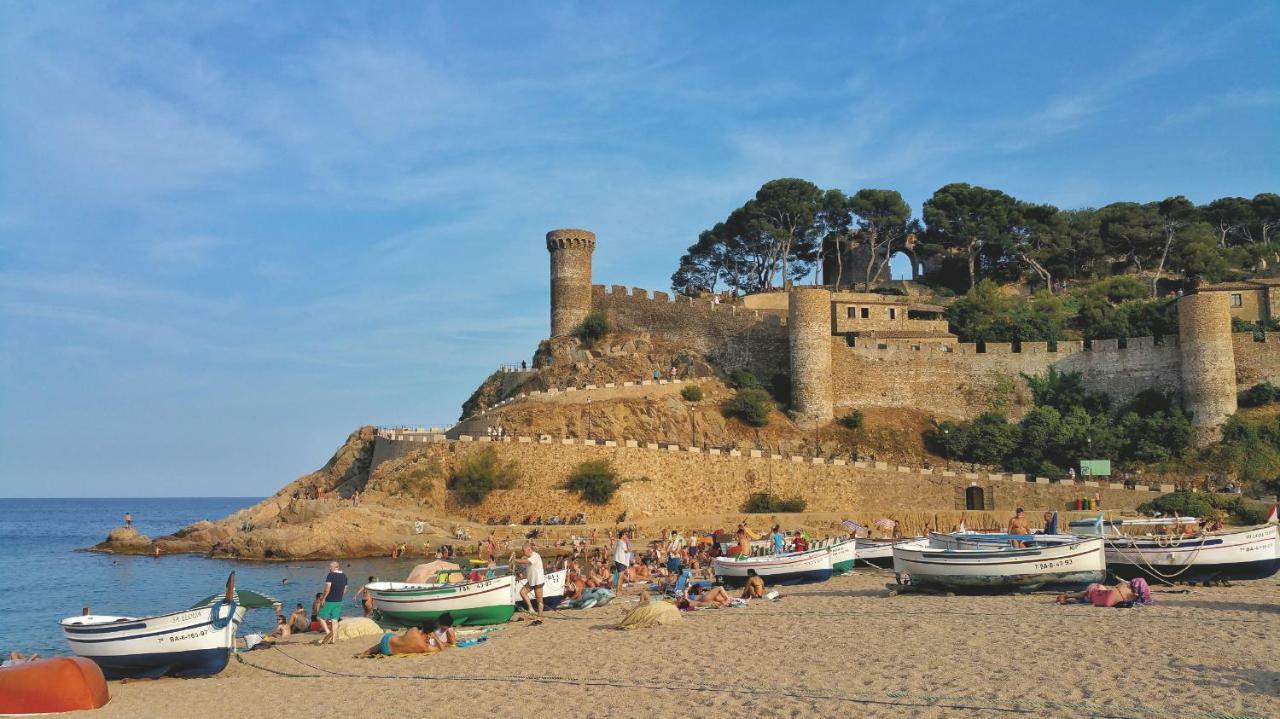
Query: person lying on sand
pixel 415 640
pixel 1135 591
pixel 755 586
pixel 444 635
pixel 712 597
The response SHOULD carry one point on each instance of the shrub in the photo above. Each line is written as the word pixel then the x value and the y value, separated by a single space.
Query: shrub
pixel 1181 503
pixel 595 481
pixel 765 503
pixel 852 420
pixel 480 474
pixel 1259 394
pixel 751 406
pixel 594 326
pixel 692 393
pixel 742 379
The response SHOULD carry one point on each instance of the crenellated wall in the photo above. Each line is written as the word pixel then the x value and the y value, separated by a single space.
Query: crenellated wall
pixel 735 337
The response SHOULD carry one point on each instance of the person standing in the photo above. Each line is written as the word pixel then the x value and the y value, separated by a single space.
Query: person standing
pixel 535 578
pixel 673 553
pixel 335 585
pixel 779 539
pixel 621 559
pixel 128 520
pixel 1019 526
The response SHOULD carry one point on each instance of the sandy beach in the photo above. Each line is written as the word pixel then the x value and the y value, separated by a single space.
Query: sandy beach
pixel 841 648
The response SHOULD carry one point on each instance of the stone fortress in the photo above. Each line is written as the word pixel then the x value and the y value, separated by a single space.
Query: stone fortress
pixel 843 350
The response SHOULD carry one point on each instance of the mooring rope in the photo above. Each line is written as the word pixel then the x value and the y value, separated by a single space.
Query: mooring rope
pixel 892 698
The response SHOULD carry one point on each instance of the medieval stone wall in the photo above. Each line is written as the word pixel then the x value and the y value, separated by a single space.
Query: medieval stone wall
pixel 732 336
pixel 674 481
pixel 1256 361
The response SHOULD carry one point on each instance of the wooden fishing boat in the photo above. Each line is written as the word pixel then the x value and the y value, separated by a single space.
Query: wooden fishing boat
pixel 843 554
pixel 552 590
pixel 1235 554
pixel 488 601
pixel 49 686
pixel 877 552
pixel 1000 568
pixel 195 642
pixel 813 565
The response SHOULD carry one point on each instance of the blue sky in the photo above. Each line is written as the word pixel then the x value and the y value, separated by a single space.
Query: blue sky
pixel 230 233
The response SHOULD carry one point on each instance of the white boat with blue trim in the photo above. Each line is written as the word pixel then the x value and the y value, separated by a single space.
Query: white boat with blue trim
pixel 945 564
pixel 812 565
pixel 194 642
pixel 1161 552
pixel 552 590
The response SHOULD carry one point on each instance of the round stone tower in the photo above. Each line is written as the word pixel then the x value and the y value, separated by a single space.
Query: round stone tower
pixel 1208 362
pixel 809 327
pixel 570 278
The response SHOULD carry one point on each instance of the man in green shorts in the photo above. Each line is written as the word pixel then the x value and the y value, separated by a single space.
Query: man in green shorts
pixel 335 584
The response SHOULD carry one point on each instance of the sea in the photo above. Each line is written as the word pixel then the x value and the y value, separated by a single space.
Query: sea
pixel 47 575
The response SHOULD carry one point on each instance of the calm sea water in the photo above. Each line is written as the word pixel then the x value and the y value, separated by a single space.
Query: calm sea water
pixel 45 579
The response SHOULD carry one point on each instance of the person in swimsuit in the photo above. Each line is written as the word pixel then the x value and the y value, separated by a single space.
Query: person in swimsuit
pixel 713 597
pixel 415 640
pixel 1019 525
pixel 755 586
pixel 744 535
pixel 444 635
pixel 1135 591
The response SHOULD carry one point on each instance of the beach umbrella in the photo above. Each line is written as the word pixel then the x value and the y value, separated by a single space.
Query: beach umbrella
pixel 852 526
pixel 883 523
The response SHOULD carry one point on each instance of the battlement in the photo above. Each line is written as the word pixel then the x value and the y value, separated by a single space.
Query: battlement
pixel 1061 348
pixel 613 295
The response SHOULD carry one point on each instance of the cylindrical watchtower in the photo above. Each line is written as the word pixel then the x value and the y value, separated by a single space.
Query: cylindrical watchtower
pixel 1208 362
pixel 570 278
pixel 809 327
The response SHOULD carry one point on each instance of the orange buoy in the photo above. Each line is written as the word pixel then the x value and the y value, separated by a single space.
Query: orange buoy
pixel 60 684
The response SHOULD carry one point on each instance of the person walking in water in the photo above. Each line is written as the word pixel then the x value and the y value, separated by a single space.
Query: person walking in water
pixel 335 585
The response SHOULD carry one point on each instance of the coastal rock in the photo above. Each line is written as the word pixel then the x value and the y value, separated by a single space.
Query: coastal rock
pixel 124 539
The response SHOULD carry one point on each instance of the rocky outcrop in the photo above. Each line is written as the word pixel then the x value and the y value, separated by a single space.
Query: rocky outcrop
pixel 126 540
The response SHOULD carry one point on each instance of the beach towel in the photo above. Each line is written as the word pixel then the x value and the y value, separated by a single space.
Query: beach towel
pixel 653 614
pixel 357 627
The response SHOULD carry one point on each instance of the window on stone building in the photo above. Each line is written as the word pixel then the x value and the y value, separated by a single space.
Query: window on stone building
pixel 893 313
pixel 974 498
pixel 866 312
pixel 1237 300
pixel 853 313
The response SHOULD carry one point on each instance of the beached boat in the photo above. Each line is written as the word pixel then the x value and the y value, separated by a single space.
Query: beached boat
pixel 51 686
pixel 1235 554
pixel 195 642
pixel 813 565
pixel 843 554
pixel 552 590
pixel 876 552
pixel 926 563
pixel 488 601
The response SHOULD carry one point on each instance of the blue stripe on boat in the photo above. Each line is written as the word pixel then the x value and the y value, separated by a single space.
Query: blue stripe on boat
pixel 174 630
pixel 195 663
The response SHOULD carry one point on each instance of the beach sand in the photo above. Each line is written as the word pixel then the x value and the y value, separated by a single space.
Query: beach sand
pixel 842 648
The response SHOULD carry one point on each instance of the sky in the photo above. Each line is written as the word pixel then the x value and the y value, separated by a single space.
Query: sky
pixel 233 232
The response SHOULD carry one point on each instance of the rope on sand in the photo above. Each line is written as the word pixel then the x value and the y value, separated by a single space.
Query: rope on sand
pixel 970 703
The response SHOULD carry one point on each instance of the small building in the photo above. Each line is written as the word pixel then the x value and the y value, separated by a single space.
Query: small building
pixel 1256 300
pixel 870 316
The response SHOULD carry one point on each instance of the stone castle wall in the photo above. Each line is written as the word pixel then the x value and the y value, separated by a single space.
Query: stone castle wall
pixel 1256 361
pixel 674 481
pixel 964 382
pixel 733 336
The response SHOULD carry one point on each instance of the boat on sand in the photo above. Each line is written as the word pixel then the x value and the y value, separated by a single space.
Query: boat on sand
pixel 488 601
pixel 812 565
pixel 992 568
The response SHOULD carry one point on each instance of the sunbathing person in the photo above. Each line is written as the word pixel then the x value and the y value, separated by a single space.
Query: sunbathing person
pixel 712 597
pixel 282 630
pixel 298 621
pixel 1135 591
pixel 755 586
pixel 444 635
pixel 415 640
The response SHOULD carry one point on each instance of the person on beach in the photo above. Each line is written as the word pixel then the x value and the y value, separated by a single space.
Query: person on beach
pixel 1019 525
pixel 712 597
pixel 444 635
pixel 1124 594
pixel 1050 523
pixel 744 536
pixel 366 599
pixel 621 559
pixel 799 543
pixel 779 539
pixel 283 628
pixel 415 640
pixel 754 588
pixel 534 575
pixel 316 604
pixel 335 585
pixel 298 621
pixel 674 545
pixel 492 544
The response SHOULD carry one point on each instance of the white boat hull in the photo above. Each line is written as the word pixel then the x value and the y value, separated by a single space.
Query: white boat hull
pixel 485 602
pixel 876 552
pixel 1000 568
pixel 844 555
pixel 796 568
pixel 1251 553
pixel 552 590
pixel 189 643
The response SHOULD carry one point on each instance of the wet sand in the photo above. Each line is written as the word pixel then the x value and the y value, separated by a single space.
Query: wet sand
pixel 844 648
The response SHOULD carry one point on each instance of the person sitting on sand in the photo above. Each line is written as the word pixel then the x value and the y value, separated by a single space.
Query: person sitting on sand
pixel 282 630
pixel 414 640
pixel 444 636
pixel 1126 594
pixel 755 586
pixel 574 583
pixel 298 621
pixel 640 572
pixel 1019 525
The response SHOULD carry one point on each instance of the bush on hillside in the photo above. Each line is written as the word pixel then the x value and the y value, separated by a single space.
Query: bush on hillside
pixel 1197 504
pixel 692 393
pixel 852 420
pixel 751 405
pixel 480 474
pixel 595 481
pixel 742 379
pixel 1259 394
pixel 765 503
pixel 594 326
